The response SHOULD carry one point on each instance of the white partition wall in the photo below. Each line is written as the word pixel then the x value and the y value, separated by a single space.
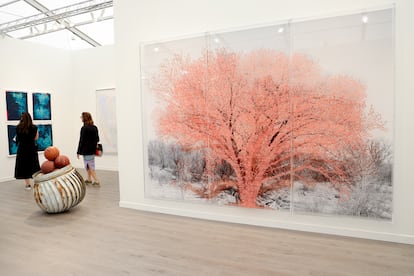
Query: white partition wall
pixel 34 68
pixel 163 21
pixel 71 79
pixel 93 71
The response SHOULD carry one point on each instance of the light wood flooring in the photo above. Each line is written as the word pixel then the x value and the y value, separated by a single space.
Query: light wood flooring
pixel 99 238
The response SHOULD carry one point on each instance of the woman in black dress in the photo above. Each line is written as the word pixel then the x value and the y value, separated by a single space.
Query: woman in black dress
pixel 27 159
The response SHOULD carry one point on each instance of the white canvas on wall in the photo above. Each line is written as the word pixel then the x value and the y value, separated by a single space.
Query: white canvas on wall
pixel 106 119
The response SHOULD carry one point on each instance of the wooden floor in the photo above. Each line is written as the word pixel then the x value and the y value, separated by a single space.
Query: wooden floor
pixel 99 238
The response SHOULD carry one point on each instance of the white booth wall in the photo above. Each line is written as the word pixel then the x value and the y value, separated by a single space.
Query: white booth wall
pixel 93 69
pixel 71 77
pixel 142 21
pixel 30 68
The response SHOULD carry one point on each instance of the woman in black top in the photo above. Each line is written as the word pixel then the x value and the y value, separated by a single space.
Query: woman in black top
pixel 88 140
pixel 27 159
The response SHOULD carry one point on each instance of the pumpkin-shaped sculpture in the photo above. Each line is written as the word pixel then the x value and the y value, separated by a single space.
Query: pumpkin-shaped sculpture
pixel 47 167
pixel 59 190
pixel 61 161
pixel 51 153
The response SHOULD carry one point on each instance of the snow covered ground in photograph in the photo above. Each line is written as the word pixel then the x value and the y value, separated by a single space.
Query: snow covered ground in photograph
pixel 372 200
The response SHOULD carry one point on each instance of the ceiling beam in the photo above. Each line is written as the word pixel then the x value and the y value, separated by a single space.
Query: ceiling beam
pixel 66 27
pixel 8 3
pixel 51 14
pixel 58 15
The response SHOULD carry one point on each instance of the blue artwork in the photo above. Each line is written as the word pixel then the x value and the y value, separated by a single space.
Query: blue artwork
pixel 11 132
pixel 45 137
pixel 16 104
pixel 41 106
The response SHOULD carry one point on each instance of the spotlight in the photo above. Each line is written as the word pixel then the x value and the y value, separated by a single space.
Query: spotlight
pixel 93 17
pixel 364 19
pixel 102 14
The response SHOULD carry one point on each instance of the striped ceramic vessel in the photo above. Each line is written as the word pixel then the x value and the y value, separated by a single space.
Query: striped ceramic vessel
pixel 59 190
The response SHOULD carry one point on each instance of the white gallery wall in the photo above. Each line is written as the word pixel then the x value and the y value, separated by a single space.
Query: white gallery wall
pixel 30 67
pixel 144 21
pixel 93 69
pixel 70 77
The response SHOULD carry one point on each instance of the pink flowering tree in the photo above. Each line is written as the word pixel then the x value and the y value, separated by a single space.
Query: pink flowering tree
pixel 273 118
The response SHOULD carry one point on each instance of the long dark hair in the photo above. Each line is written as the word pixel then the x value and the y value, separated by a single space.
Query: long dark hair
pixel 25 123
pixel 87 118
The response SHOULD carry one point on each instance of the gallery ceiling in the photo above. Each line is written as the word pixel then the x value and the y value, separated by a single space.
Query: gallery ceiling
pixel 65 24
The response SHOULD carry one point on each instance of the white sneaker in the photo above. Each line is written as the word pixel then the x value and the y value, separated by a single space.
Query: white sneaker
pixel 28 188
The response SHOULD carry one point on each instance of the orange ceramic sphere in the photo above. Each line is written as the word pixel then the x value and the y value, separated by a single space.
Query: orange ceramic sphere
pixel 61 161
pixel 47 167
pixel 51 153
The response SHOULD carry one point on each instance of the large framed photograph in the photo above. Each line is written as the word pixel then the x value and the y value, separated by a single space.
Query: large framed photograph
pixel 295 116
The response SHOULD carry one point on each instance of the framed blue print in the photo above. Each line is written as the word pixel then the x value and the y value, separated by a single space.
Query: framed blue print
pixel 11 133
pixel 41 106
pixel 16 103
pixel 45 137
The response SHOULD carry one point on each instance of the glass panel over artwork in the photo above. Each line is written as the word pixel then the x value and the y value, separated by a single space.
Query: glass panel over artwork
pixel 295 116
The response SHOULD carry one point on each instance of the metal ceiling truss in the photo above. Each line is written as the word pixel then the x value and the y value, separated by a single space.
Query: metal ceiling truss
pixel 8 3
pixel 60 17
